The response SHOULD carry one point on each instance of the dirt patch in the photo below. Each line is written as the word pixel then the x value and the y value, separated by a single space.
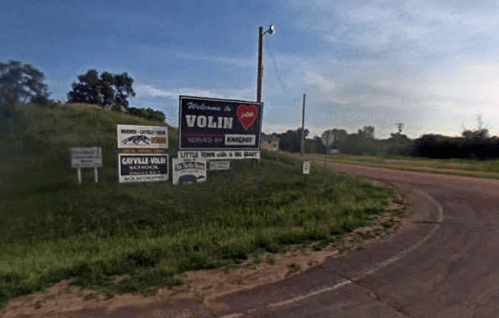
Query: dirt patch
pixel 204 286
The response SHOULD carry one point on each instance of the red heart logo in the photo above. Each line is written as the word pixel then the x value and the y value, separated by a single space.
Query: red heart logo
pixel 247 115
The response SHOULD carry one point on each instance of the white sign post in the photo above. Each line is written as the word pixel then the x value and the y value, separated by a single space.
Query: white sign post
pixel 306 167
pixel 86 158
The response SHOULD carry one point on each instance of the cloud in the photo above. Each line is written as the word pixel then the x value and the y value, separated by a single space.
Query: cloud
pixel 240 62
pixel 148 90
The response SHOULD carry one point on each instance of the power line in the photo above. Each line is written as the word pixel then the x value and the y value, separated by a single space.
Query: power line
pixel 276 68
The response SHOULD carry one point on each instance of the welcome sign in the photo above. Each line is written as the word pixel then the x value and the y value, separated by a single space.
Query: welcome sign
pixel 219 124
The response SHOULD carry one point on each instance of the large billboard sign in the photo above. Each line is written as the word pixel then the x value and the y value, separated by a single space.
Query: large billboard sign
pixel 219 124
pixel 143 167
pixel 134 136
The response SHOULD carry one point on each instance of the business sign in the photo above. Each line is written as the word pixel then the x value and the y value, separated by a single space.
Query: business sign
pixel 219 124
pixel 212 155
pixel 143 167
pixel 219 165
pixel 188 170
pixel 133 136
pixel 306 167
pixel 86 157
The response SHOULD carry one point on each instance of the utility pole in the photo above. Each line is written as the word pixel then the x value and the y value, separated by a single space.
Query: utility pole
pixel 303 125
pixel 270 31
pixel 260 66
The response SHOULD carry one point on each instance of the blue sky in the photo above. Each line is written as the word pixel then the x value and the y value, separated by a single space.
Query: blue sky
pixel 432 65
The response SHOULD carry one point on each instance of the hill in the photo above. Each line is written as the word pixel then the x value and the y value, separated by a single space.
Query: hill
pixel 148 233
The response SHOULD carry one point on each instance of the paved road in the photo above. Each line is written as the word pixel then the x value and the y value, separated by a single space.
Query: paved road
pixel 445 263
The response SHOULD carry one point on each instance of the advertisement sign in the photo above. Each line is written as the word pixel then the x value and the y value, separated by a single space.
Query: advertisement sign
pixel 143 167
pixel 306 167
pixel 188 170
pixel 219 165
pixel 219 124
pixel 133 136
pixel 86 157
pixel 219 154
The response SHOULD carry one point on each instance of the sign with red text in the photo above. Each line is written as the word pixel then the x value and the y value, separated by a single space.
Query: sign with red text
pixel 306 167
pixel 219 124
pixel 134 136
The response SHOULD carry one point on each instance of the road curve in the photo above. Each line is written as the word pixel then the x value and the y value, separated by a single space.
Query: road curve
pixel 445 263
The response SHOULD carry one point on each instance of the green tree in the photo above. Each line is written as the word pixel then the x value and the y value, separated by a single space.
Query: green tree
pixel 291 140
pixel 107 90
pixel 21 83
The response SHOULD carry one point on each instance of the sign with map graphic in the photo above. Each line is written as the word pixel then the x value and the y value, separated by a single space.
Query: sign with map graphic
pixel 140 137
pixel 219 124
pixel 188 170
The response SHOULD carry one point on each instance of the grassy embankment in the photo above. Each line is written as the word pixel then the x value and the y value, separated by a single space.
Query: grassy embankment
pixel 148 233
pixel 461 167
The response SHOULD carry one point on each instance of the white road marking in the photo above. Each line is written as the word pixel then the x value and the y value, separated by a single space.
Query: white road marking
pixel 382 265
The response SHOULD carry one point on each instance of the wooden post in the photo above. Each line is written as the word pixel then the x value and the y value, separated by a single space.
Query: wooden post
pixel 96 175
pixel 78 173
pixel 303 126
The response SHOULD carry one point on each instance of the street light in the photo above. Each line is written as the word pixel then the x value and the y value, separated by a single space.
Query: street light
pixel 270 31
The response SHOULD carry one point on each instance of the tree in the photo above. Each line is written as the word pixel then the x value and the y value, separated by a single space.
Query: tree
pixel 107 90
pixel 367 132
pixel 398 135
pixel 21 83
pixel 291 140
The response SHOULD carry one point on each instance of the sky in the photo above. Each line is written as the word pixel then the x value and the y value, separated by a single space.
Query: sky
pixel 431 65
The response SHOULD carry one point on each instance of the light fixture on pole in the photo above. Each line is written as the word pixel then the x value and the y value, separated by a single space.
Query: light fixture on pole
pixel 261 33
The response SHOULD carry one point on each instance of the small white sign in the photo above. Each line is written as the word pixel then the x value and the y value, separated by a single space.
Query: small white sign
pixel 240 140
pixel 188 170
pixel 134 136
pixel 86 157
pixel 213 155
pixel 219 165
pixel 306 167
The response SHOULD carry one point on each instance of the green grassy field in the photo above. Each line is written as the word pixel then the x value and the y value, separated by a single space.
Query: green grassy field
pixel 148 233
pixel 464 167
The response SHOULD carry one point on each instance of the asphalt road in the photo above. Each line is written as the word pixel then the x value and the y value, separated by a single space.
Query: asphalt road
pixel 444 263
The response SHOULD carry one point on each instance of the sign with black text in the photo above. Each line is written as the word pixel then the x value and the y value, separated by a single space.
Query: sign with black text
pixel 219 124
pixel 86 157
pixel 134 136
pixel 143 167
pixel 221 154
pixel 219 165
pixel 188 170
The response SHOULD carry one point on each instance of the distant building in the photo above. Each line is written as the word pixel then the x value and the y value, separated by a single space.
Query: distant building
pixel 270 142
pixel 333 151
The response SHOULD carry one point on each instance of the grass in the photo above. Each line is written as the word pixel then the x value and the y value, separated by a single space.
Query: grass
pixel 462 167
pixel 149 233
